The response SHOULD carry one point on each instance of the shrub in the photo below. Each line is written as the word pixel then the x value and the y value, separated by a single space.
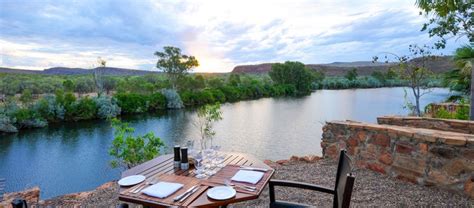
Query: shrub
pixel 107 107
pixel 129 150
pixel 49 108
pixel 27 118
pixel 84 109
pixel 204 97
pixel 6 124
pixel 218 95
pixel 132 102
pixel 187 98
pixel 173 99
pixel 231 93
pixel 156 101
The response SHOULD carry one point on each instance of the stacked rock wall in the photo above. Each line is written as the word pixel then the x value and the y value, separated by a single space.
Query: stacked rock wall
pixel 422 156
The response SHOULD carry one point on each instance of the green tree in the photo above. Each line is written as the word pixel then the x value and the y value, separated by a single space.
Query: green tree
pixel 129 150
pixel 453 18
pixel 234 79
pixel 459 79
pixel 413 68
pixel 448 19
pixel 292 73
pixel 68 85
pixel 174 64
pixel 351 75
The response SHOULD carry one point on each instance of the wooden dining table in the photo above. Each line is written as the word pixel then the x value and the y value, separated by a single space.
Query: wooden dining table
pixel 162 169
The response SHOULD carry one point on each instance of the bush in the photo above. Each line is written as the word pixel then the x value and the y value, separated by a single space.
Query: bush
pixel 83 109
pixel 231 93
pixel 107 107
pixel 27 118
pixel 156 101
pixel 173 99
pixel 132 102
pixel 204 97
pixel 218 95
pixel 49 108
pixel 129 150
pixel 6 124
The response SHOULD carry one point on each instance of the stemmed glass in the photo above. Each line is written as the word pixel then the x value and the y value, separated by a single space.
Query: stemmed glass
pixel 200 173
pixel 219 157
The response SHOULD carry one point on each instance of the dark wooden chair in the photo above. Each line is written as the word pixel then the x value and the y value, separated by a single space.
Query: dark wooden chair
pixel 342 190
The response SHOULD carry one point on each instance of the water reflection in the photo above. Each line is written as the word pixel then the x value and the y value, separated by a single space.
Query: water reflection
pixel 72 157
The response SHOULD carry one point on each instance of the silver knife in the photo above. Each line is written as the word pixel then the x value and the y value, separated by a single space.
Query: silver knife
pixel 253 168
pixel 177 198
pixel 189 194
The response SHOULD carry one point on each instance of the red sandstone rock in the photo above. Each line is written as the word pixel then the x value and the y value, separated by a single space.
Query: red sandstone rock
pixel 331 151
pixel 362 136
pixel 376 167
pixel 294 158
pixel 423 148
pixel 381 140
pixel 282 162
pixel 455 167
pixel 403 148
pixel 386 159
pixel 469 187
pixel 352 141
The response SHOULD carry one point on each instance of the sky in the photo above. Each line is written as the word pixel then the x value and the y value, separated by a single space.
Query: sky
pixel 221 34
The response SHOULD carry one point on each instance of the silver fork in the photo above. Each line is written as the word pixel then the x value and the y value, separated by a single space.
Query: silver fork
pixel 248 188
pixel 147 183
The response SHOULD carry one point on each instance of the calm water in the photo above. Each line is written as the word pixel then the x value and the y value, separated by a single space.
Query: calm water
pixel 73 157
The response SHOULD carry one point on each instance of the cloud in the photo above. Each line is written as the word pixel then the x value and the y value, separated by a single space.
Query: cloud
pixel 221 34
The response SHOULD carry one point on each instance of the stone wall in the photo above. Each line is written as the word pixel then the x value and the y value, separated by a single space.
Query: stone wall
pixel 422 156
pixel 460 126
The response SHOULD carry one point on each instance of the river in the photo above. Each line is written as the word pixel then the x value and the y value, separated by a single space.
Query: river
pixel 72 157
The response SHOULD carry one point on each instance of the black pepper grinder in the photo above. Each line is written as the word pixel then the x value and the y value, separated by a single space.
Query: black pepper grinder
pixel 184 158
pixel 177 157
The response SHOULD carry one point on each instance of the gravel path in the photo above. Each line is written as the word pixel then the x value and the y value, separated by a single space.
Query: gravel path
pixel 371 190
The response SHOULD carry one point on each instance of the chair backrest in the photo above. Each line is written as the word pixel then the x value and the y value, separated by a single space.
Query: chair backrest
pixel 344 181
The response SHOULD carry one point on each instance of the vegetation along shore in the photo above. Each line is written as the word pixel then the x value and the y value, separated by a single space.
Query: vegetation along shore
pixel 30 100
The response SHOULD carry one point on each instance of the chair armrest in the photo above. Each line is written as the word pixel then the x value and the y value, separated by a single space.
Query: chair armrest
pixel 294 184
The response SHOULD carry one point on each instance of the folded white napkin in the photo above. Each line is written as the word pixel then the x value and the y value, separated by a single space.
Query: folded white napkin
pixel 162 189
pixel 248 176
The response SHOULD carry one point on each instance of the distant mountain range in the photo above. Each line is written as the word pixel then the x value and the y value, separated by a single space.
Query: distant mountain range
pixel 77 71
pixel 438 65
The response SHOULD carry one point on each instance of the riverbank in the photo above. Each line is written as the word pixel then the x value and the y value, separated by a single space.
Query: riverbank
pixel 371 189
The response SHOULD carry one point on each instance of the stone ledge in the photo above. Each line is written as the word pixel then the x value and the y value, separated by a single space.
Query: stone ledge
pixel 426 135
pixel 453 125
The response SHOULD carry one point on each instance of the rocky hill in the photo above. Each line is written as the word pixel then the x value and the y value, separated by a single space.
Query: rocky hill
pixel 77 71
pixel 438 65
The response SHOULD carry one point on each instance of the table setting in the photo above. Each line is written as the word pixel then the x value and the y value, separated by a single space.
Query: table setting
pixel 205 176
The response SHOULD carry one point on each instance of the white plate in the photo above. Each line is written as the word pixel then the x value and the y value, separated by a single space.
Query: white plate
pixel 131 180
pixel 221 192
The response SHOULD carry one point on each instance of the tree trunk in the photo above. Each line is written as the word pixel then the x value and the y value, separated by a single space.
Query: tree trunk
pixel 472 95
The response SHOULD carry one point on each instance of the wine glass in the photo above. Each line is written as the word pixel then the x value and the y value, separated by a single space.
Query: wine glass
pixel 200 173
